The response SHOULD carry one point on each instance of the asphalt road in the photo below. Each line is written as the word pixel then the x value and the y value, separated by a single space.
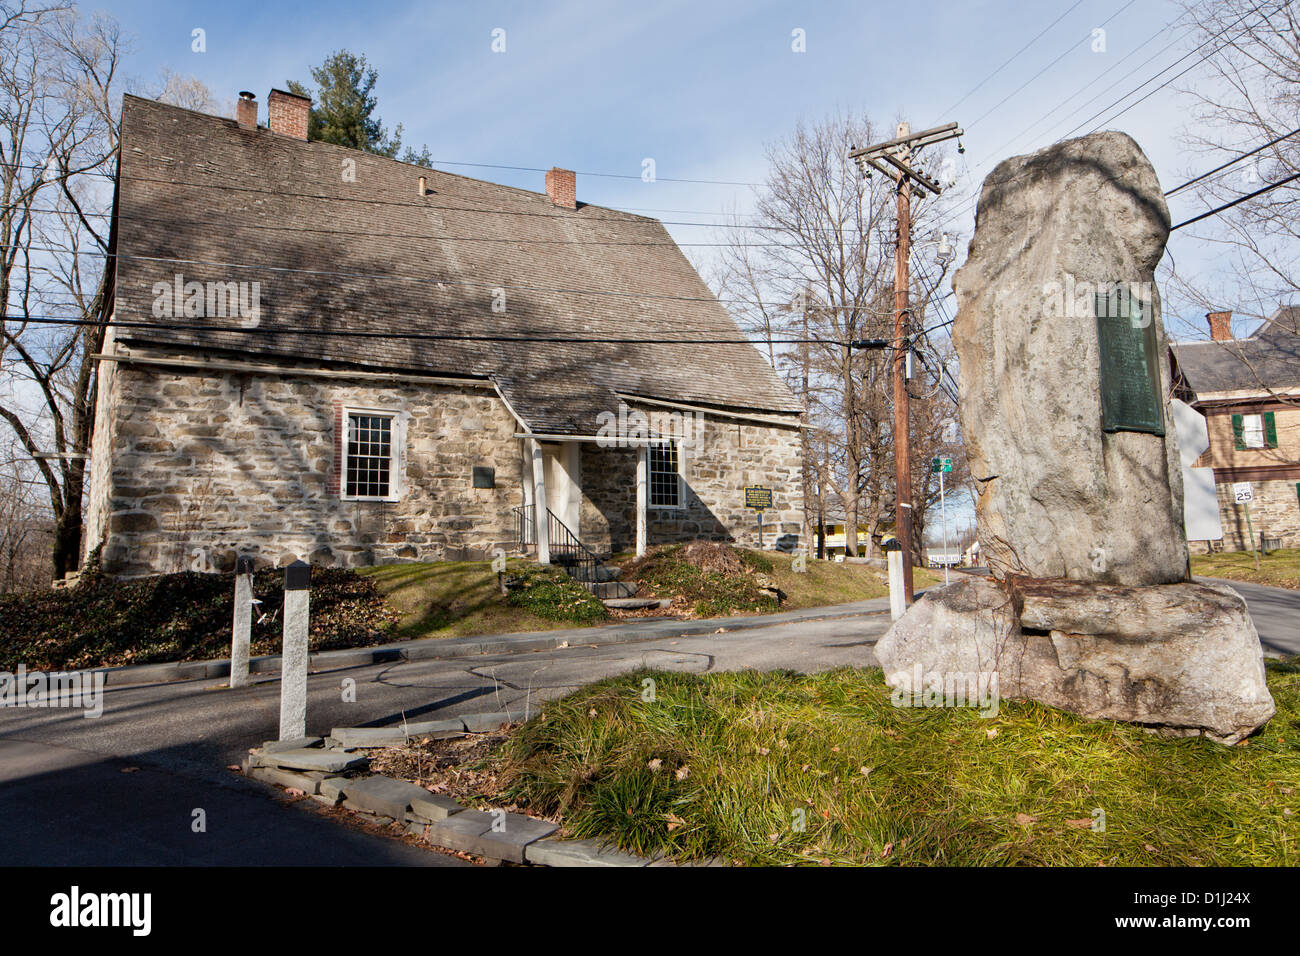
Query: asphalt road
pixel 1276 613
pixel 123 788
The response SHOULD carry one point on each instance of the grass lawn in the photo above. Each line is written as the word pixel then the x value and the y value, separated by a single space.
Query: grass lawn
pixel 458 598
pixel 1280 568
pixel 779 768
pixel 454 599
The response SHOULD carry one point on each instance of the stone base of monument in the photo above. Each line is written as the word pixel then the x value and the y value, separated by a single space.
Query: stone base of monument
pixel 1183 658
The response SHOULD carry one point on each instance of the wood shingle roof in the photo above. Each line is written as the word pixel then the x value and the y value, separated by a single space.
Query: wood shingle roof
pixel 339 239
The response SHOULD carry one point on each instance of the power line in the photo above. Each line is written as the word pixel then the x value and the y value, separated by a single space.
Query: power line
pixel 1064 53
pixel 1202 59
pixel 1232 162
pixel 539 169
pixel 352 234
pixel 437 336
pixel 1010 59
pixel 90 171
pixel 1236 202
pixel 393 277
pixel 967 205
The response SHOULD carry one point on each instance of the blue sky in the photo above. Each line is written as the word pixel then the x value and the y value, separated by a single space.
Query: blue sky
pixel 699 86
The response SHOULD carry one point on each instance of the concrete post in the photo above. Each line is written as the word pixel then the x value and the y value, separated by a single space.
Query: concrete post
pixel 897 588
pixel 642 475
pixel 293 654
pixel 243 623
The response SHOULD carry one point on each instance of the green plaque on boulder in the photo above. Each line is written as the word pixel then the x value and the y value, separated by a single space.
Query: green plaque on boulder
pixel 1130 371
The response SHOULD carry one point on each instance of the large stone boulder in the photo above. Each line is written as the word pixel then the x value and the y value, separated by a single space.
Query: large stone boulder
pixel 1184 657
pixel 1058 496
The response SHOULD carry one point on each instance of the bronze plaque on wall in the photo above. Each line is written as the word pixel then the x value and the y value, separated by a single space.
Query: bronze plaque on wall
pixel 1130 370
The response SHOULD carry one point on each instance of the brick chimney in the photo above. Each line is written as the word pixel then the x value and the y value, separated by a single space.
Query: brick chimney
pixel 1220 326
pixel 288 113
pixel 562 187
pixel 246 110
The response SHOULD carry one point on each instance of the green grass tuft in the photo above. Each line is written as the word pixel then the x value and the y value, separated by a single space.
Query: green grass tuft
pixel 550 593
pixel 720 764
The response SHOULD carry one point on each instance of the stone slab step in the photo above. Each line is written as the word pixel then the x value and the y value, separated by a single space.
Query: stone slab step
pixel 383 796
pixel 432 807
pixel 552 851
pixel 497 836
pixel 610 589
pixel 329 761
pixel 602 572
pixel 636 604
pixel 353 738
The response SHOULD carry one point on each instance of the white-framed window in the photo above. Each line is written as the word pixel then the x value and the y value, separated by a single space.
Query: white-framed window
pixel 1252 431
pixel 665 477
pixel 371 455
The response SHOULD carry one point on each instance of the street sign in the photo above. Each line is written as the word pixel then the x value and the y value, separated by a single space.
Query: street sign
pixel 1242 492
pixel 758 497
pixel 938 465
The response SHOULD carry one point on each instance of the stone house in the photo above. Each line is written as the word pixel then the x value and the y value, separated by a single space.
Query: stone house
pixel 1248 389
pixel 322 353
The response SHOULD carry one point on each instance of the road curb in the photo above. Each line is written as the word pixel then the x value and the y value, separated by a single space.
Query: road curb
pixel 436 648
pixel 440 821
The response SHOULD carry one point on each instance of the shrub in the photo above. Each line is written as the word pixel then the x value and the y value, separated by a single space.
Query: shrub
pixel 552 594
pixel 716 579
pixel 178 617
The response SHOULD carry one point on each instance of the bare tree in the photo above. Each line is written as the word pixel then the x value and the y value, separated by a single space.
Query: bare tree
pixel 57 74
pixel 1250 99
pixel 60 94
pixel 25 528
pixel 815 261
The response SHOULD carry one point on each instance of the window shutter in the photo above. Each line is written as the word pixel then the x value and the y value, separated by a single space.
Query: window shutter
pixel 1238 439
pixel 1270 431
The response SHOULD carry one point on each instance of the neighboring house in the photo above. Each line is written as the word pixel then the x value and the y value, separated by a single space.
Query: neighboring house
pixel 1248 389
pixel 352 360
pixel 943 557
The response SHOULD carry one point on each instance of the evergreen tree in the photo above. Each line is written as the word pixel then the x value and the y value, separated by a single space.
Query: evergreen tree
pixel 343 108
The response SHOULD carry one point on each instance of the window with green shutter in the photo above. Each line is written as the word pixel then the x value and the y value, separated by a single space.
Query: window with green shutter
pixel 1238 435
pixel 1270 431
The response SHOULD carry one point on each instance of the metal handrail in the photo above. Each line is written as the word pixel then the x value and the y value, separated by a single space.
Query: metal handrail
pixel 525 526
pixel 568 551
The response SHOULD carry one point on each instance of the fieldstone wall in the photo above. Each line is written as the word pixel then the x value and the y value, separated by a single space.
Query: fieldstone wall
pixel 207 466
pixel 722 459
pixel 1275 512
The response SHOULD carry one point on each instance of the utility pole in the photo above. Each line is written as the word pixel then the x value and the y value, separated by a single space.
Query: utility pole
pixel 894 158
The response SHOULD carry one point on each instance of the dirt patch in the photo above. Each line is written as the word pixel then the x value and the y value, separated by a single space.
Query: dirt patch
pixel 457 768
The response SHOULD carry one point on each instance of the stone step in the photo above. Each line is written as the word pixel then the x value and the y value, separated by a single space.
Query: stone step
pixel 635 603
pixel 610 589
pixel 602 572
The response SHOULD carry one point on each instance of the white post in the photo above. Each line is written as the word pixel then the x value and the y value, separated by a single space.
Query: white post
pixel 943 518
pixel 293 653
pixel 897 596
pixel 542 528
pixel 642 472
pixel 243 623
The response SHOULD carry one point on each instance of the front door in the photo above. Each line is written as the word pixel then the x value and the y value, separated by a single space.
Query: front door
pixel 561 468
